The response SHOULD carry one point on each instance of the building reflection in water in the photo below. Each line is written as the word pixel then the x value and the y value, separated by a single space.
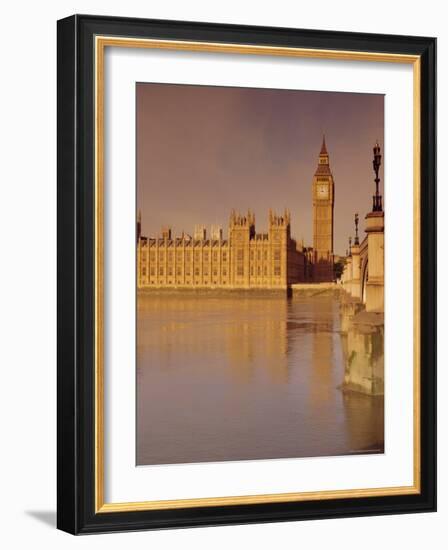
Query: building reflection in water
pixel 244 377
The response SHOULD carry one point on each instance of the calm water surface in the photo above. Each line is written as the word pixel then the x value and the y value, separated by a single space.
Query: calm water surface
pixel 244 377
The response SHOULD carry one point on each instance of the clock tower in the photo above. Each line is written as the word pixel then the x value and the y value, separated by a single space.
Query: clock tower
pixel 323 210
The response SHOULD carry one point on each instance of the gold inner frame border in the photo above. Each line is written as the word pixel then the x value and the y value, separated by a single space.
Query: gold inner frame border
pixel 100 44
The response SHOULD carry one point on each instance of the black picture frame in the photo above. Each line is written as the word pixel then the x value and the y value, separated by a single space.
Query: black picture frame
pixel 76 301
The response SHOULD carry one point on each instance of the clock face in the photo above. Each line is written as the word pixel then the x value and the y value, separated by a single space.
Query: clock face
pixel 322 191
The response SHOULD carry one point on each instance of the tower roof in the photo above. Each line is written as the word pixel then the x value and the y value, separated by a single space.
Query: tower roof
pixel 323 149
pixel 323 168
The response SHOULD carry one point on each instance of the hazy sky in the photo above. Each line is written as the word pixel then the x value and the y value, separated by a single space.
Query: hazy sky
pixel 203 150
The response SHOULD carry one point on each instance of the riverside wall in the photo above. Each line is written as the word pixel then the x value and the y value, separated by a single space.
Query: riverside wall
pixel 362 334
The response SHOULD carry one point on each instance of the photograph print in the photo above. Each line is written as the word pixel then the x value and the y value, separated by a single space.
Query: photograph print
pixel 259 274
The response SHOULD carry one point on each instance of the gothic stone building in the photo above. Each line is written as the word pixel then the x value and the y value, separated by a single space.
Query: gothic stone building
pixel 245 259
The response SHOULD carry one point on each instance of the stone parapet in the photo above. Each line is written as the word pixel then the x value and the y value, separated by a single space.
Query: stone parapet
pixel 374 298
pixel 374 222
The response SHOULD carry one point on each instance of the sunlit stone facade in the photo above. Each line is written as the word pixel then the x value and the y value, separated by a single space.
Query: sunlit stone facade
pixel 245 259
pixel 323 219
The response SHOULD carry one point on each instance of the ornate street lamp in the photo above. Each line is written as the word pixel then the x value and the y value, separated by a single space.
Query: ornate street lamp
pixel 356 229
pixel 377 198
pixel 350 246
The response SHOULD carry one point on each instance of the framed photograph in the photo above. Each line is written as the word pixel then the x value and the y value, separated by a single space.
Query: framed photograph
pixel 246 274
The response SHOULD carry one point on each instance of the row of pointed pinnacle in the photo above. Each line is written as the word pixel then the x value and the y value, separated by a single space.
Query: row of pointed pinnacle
pixel 249 219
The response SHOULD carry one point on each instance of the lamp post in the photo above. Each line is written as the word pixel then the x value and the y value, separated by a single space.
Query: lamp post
pixel 356 229
pixel 377 198
pixel 350 246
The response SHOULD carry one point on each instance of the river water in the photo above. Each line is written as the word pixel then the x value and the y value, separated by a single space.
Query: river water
pixel 246 377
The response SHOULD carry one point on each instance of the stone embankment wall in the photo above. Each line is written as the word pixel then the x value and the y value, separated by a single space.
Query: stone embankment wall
pixel 363 343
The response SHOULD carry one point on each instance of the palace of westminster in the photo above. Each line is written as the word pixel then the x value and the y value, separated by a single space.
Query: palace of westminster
pixel 245 259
